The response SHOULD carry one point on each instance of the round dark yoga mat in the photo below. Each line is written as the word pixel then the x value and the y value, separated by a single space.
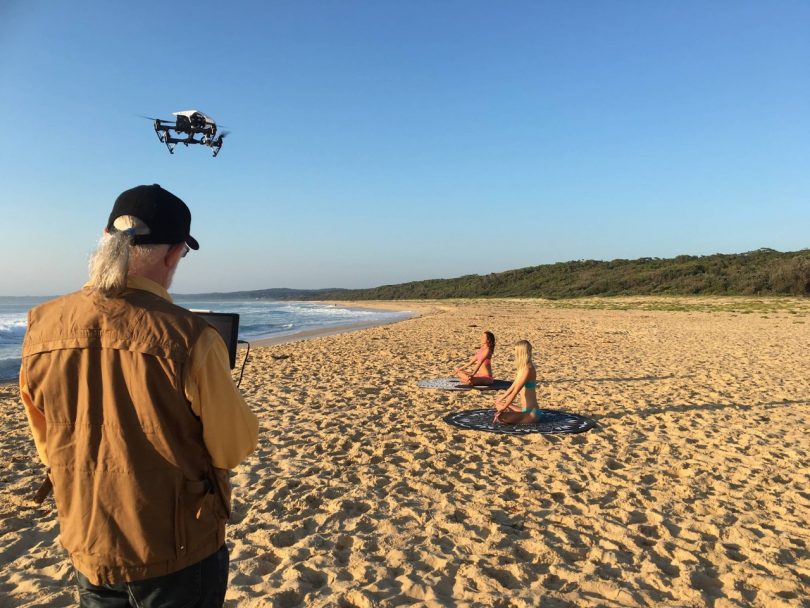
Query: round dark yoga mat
pixel 454 384
pixel 551 421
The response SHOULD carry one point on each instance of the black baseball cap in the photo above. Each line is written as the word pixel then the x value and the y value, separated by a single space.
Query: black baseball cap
pixel 168 217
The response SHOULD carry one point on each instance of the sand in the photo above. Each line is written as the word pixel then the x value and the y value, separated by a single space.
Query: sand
pixel 693 489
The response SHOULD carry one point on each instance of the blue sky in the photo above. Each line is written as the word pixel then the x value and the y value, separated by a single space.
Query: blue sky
pixel 381 142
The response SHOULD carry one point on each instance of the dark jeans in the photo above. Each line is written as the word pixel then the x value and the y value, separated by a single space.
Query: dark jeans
pixel 201 585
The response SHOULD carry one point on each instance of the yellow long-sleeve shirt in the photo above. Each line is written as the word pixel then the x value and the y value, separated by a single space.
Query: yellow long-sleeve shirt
pixel 230 429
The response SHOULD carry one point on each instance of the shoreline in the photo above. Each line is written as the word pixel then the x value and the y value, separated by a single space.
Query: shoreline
pixel 308 334
pixel 418 308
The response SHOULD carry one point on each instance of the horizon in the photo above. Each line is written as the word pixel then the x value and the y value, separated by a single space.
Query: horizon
pixel 384 143
pixel 177 294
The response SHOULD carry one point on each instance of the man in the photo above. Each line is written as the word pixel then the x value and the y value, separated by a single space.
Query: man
pixel 132 408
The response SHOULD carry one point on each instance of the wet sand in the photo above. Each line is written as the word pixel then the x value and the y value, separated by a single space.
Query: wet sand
pixel 693 489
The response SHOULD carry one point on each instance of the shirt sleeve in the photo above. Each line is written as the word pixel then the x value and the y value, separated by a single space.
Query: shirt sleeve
pixel 230 429
pixel 36 418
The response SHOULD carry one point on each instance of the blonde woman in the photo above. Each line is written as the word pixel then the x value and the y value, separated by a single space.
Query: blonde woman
pixel 525 383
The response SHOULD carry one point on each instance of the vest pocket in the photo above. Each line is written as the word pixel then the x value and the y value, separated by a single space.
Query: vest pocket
pixel 200 512
pixel 198 494
pixel 222 492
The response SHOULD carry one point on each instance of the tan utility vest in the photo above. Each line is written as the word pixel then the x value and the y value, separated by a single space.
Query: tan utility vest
pixel 134 487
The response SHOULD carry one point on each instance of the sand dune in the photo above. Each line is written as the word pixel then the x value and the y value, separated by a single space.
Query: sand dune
pixel 693 490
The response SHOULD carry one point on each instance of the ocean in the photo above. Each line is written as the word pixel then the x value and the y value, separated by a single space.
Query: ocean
pixel 257 319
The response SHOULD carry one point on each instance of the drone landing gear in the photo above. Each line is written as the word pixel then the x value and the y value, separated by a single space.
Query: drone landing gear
pixel 170 144
pixel 163 136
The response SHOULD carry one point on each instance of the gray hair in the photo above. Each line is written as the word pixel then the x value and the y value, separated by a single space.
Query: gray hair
pixel 116 257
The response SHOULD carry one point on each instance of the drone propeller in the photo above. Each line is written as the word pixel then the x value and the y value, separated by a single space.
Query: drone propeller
pixel 152 118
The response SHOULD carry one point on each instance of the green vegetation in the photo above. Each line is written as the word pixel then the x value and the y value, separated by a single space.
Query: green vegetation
pixel 762 272
pixel 756 273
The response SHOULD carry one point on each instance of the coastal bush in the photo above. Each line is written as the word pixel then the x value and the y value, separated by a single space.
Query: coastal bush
pixel 760 272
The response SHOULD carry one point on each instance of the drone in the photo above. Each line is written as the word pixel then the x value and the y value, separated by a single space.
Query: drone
pixel 186 125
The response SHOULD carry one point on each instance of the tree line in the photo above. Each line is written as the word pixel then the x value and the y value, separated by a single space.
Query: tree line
pixel 760 272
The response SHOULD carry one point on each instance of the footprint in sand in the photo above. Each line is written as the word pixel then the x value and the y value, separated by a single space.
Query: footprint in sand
pixel 313 578
pixel 356 599
pixel 554 582
pixel 648 480
pixel 287 599
pixel 643 541
pixel 264 564
pixel 650 531
pixel 504 578
pixel 636 517
pixel 332 493
pixel 608 572
pixel 354 508
pixel 313 500
pixel 283 539
pixel 665 565
pixel 707 582
pixel 343 549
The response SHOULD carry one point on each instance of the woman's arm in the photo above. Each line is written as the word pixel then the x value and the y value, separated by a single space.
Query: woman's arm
pixel 515 388
pixel 520 380
pixel 486 355
pixel 502 403
pixel 506 399
pixel 472 360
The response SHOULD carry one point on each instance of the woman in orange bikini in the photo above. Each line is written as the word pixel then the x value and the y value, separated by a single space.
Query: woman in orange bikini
pixel 480 364
pixel 525 383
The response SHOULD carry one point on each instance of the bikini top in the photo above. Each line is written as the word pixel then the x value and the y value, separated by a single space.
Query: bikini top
pixel 530 384
pixel 479 357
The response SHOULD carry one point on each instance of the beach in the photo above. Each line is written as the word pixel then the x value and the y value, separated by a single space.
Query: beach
pixel 693 489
